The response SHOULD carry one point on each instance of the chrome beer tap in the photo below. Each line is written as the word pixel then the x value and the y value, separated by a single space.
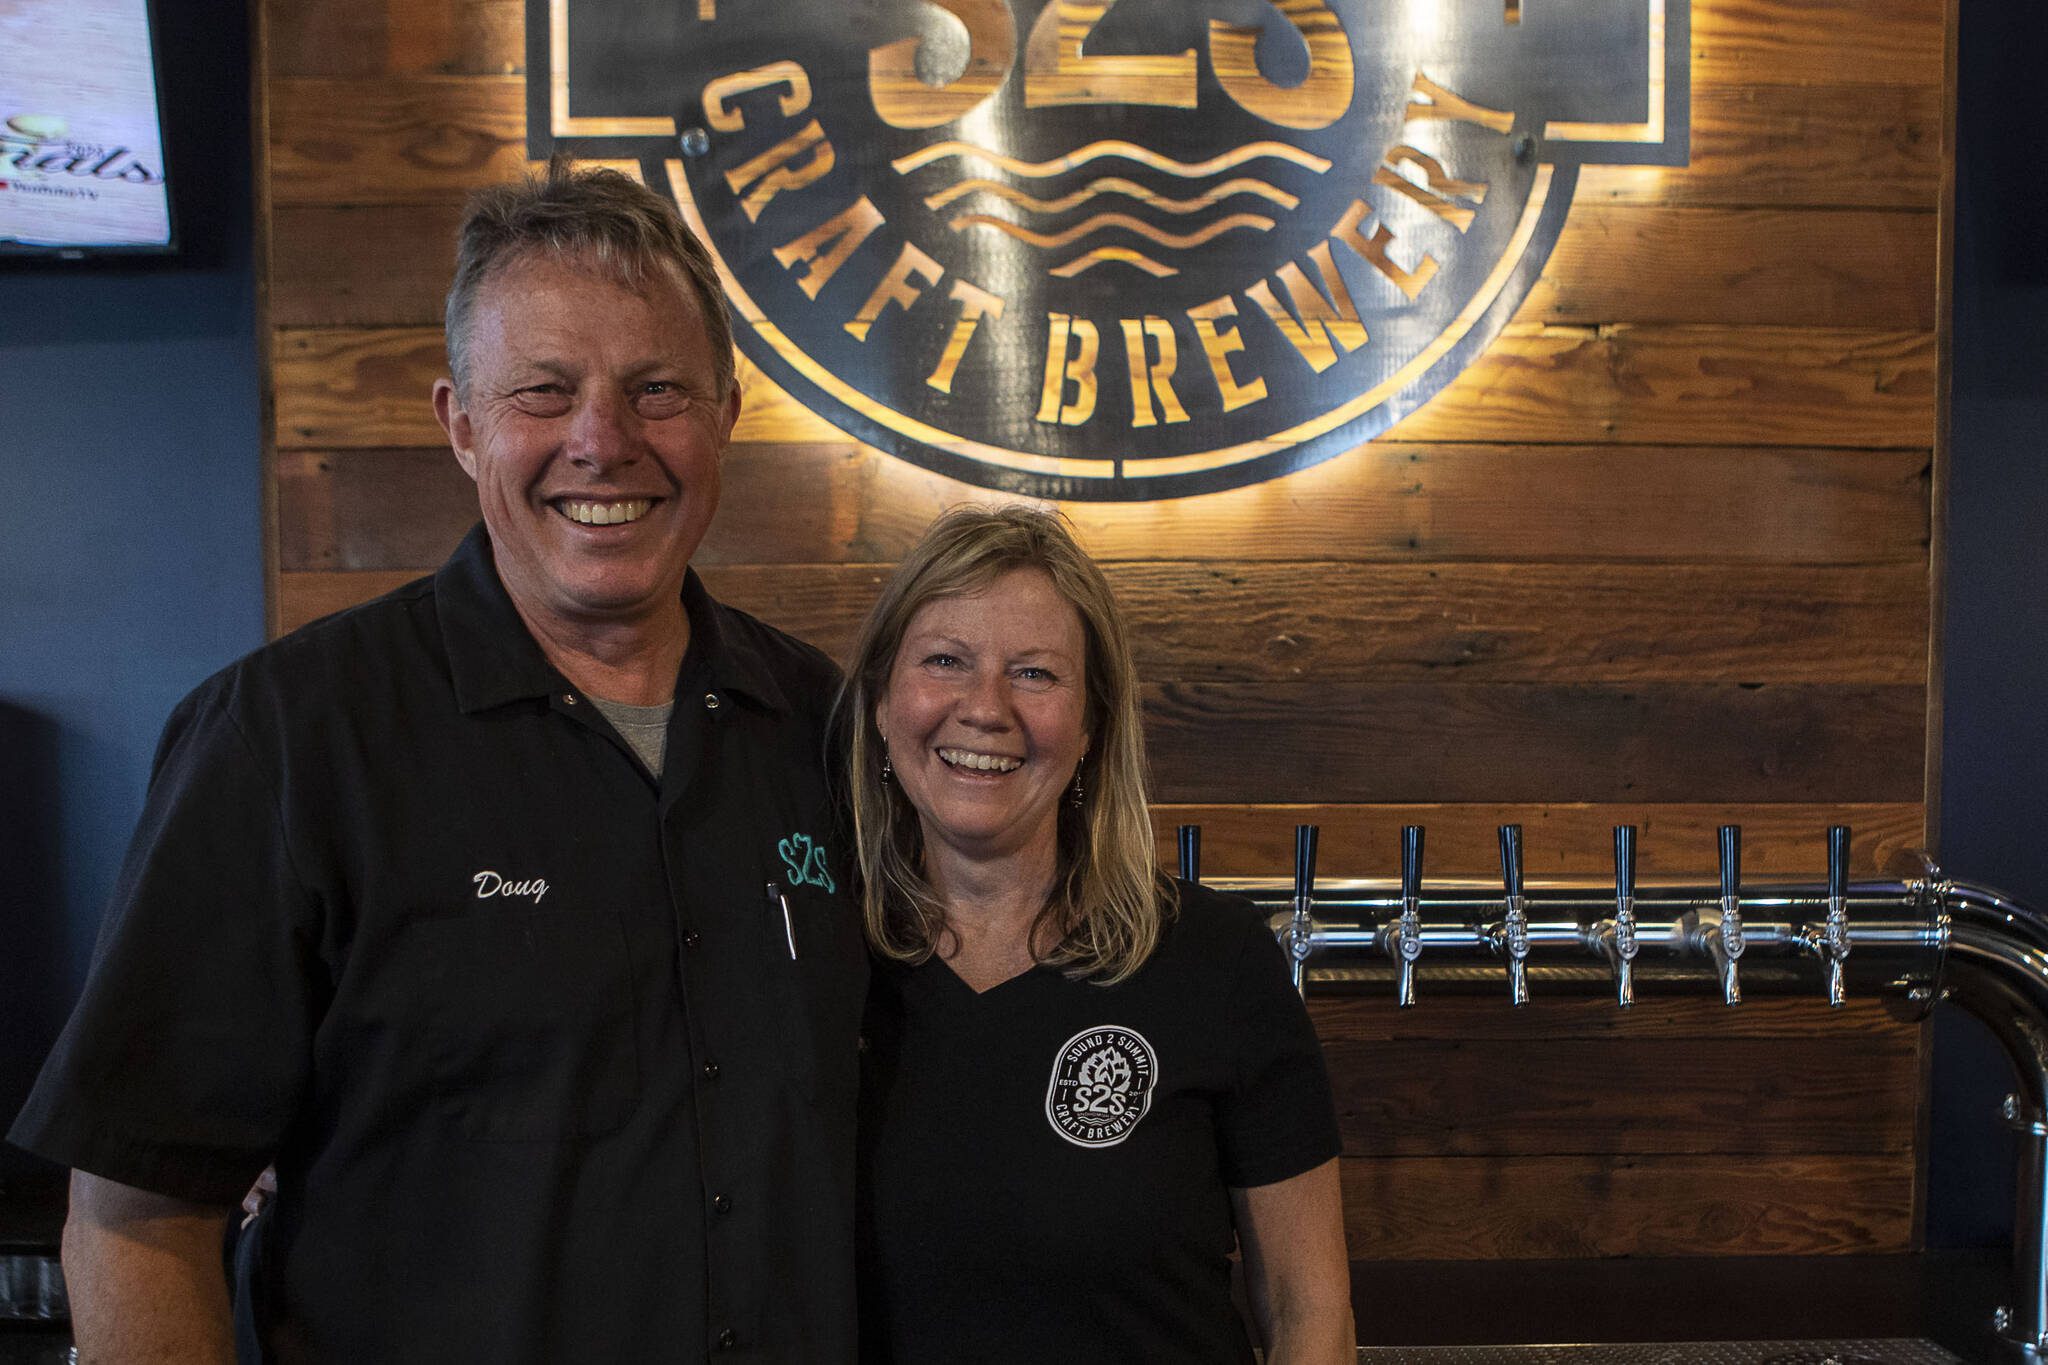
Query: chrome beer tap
pixel 1834 939
pixel 1301 930
pixel 1190 852
pixel 1622 947
pixel 1408 929
pixel 1725 943
pixel 1514 934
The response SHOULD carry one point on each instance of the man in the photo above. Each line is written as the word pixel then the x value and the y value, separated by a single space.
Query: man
pixel 505 914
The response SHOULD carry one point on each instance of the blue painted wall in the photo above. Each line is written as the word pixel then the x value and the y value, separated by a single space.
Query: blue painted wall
pixel 130 529
pixel 1994 803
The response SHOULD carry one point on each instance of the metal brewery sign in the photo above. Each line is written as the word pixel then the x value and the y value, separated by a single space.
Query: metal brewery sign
pixel 1116 249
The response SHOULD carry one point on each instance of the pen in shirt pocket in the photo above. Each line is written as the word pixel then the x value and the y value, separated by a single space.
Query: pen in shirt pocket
pixel 778 901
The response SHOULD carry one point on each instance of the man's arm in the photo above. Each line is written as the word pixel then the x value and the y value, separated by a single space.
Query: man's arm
pixel 145 1277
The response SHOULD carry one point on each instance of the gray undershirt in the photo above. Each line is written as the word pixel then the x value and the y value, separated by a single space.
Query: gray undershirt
pixel 643 727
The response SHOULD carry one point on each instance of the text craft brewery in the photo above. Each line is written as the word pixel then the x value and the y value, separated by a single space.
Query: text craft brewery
pixel 1315 320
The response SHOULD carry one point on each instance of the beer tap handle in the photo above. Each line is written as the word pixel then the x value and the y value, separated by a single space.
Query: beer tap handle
pixel 1624 915
pixel 1515 927
pixel 1190 852
pixel 1835 939
pixel 1300 933
pixel 1408 939
pixel 1731 914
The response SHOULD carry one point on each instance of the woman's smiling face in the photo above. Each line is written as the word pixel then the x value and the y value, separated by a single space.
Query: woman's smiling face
pixel 985 716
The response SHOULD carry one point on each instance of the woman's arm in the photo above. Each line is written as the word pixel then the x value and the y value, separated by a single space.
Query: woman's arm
pixel 1295 1269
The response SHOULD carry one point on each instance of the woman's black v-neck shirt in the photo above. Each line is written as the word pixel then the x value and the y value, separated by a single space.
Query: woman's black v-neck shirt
pixel 1046 1165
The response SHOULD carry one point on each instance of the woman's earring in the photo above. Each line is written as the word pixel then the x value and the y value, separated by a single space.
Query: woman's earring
pixel 887 772
pixel 1077 797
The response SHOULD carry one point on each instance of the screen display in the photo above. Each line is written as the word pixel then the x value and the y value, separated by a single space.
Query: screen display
pixel 81 143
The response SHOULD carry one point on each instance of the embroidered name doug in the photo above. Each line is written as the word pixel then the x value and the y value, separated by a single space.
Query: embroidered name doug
pixel 490 884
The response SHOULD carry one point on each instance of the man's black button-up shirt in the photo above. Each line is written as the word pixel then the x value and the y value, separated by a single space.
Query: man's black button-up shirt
pixel 556 1061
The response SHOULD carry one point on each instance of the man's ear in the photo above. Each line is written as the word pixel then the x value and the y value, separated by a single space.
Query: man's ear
pixel 454 419
pixel 731 415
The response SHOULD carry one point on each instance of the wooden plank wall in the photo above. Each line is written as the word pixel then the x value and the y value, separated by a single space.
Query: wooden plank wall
pixel 1661 556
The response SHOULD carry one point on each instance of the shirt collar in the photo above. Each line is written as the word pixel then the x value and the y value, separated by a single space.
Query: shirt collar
pixel 494 659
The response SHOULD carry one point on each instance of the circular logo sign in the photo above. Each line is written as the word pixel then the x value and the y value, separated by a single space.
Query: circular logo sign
pixel 1117 249
pixel 1101 1085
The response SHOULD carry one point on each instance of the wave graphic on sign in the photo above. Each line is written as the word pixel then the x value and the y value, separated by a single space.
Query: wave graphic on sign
pixel 1095 151
pixel 1169 237
pixel 1110 184
pixel 1102 222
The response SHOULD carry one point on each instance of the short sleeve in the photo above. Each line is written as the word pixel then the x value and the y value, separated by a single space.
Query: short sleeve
pixel 187 1055
pixel 1278 1119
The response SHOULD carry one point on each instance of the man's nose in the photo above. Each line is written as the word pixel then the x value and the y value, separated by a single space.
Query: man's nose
pixel 600 432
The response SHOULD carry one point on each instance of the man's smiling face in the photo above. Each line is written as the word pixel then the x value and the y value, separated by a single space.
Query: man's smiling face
pixel 593 427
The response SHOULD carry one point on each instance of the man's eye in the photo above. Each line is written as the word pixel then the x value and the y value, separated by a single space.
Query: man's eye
pixel 542 398
pixel 661 398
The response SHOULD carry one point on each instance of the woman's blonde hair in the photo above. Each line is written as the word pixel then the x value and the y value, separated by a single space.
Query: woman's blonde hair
pixel 1109 902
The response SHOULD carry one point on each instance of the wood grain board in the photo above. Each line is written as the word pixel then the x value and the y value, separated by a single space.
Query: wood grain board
pixel 1569 1207
pixel 1614 1097
pixel 1856 268
pixel 1780 40
pixel 417 139
pixel 1560 839
pixel 1455 741
pixel 1660 557
pixel 1617 382
pixel 1387 502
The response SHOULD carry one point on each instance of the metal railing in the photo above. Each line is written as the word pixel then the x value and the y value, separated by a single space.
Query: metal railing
pixel 1911 941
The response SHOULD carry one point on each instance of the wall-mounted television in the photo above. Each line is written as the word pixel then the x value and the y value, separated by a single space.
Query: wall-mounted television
pixel 81 133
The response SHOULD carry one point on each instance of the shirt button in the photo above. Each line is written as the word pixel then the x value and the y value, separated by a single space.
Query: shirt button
pixel 568 698
pixel 711 1071
pixel 710 701
pixel 720 1204
pixel 728 1339
pixel 691 938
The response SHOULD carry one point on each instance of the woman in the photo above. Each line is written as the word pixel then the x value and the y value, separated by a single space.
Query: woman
pixel 1083 1079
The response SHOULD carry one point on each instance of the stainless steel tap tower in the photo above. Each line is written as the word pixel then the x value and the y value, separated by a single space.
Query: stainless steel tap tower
pixel 1915 940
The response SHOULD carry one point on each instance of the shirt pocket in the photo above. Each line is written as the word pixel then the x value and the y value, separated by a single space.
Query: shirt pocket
pixel 826 985
pixel 525 1024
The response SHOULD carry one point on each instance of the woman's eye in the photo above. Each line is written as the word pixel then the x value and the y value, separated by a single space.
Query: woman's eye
pixel 941 660
pixel 1040 677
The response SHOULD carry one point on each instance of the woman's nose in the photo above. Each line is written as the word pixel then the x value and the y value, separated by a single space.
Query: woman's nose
pixel 987 701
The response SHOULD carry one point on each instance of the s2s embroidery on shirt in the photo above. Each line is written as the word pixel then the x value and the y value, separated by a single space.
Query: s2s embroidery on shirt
pixel 806 862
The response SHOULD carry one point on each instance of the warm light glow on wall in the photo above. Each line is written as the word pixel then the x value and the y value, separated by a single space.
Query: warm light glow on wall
pixel 1425 19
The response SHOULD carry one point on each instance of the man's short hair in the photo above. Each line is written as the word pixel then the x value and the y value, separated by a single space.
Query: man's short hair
pixel 594 217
